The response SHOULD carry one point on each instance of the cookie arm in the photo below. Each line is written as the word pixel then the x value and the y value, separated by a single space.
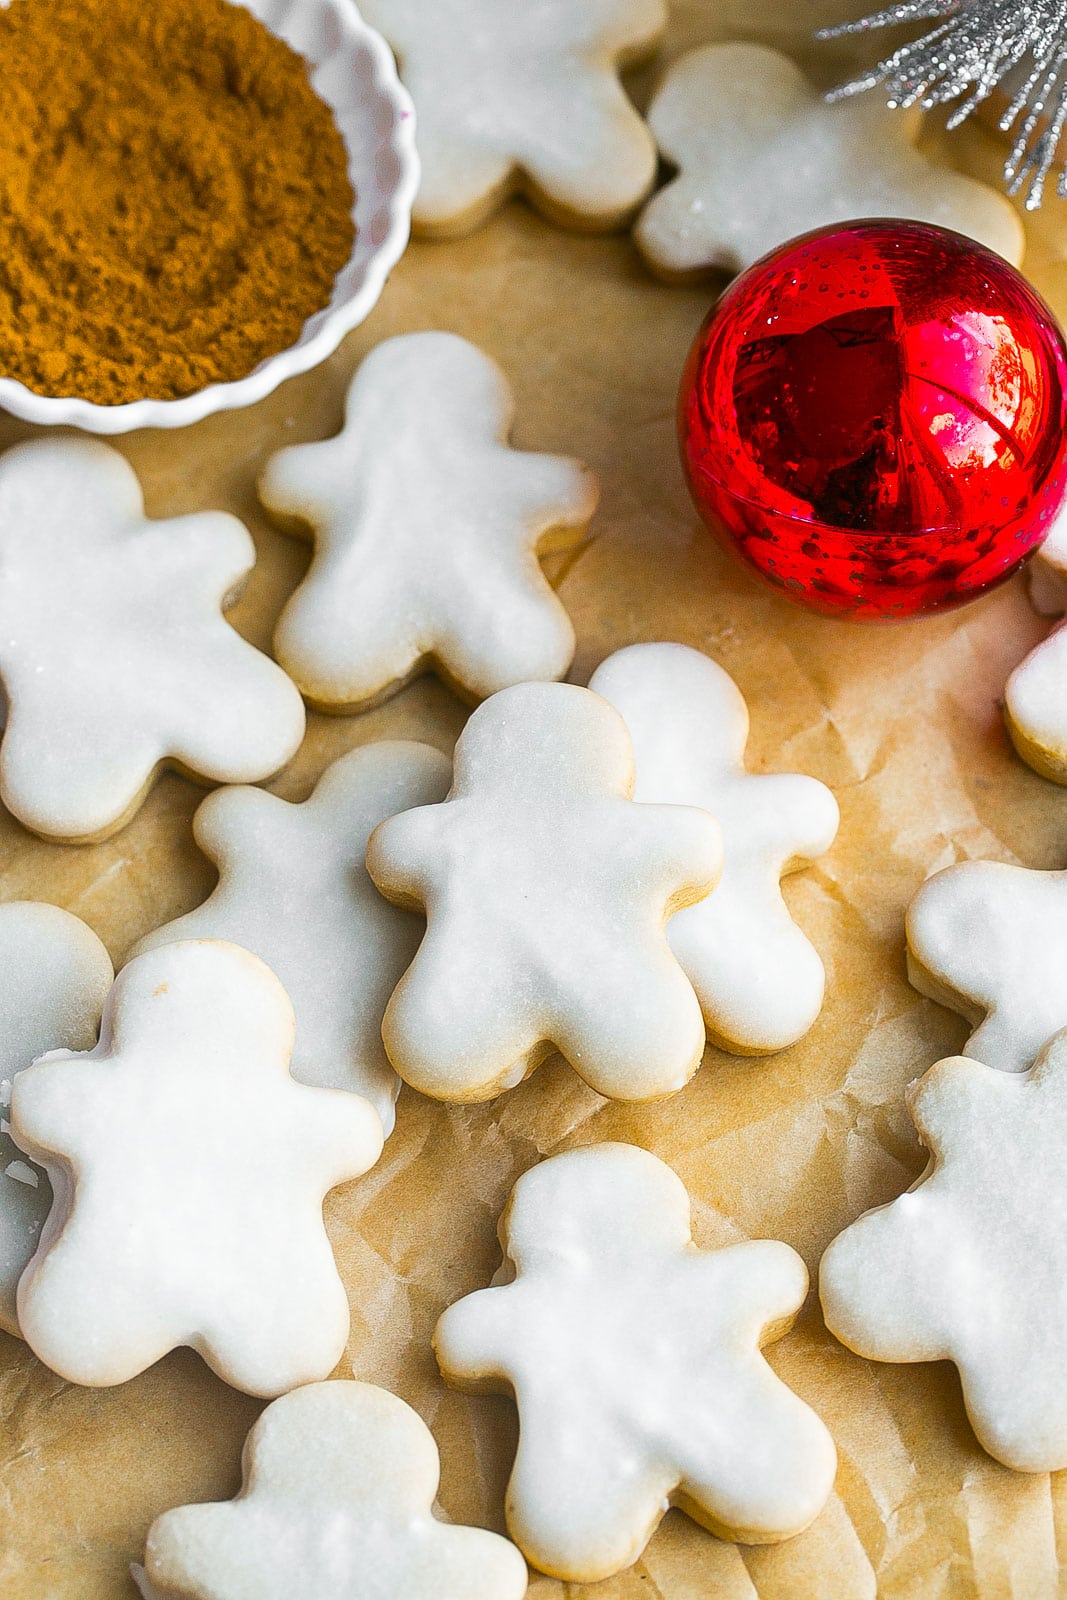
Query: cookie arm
pixel 955 1098
pixel 341 1133
pixel 686 844
pixel 48 1104
pixel 810 818
pixel 882 1281
pixel 400 853
pixel 471 1340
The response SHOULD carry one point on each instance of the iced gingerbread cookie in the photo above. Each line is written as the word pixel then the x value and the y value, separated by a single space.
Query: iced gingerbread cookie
pixel 427 528
pixel 635 1363
pixel 114 655
pixel 990 941
pixel 54 979
pixel 189 1171
pixel 970 1266
pixel 524 95
pixel 759 981
pixel 762 157
pixel 546 892
pixel 293 889
pixel 339 1484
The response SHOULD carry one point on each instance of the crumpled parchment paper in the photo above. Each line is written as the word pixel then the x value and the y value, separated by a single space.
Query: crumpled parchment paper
pixel 903 723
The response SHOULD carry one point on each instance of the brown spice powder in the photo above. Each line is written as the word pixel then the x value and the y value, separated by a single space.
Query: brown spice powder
pixel 174 197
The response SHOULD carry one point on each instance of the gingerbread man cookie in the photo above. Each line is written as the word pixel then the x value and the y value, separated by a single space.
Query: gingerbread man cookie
pixel 524 95
pixel 763 157
pixel 970 1266
pixel 293 889
pixel 114 655
pixel 338 1495
pixel 189 1171
pixel 427 528
pixel 990 941
pixel 635 1363
pixel 339 1484
pixel 546 891
pixel 759 981
pixel 54 979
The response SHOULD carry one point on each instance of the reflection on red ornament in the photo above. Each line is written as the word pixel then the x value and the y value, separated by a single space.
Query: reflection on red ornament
pixel 873 418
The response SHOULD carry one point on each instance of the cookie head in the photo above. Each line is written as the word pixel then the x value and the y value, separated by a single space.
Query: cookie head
pixel 553 734
pixel 546 891
pixel 690 714
pixel 339 1483
pixel 625 1199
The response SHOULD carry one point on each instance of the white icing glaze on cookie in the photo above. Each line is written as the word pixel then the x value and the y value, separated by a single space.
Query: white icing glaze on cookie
pixel 634 1361
pixel 524 95
pixel 293 889
pixel 758 980
pixel 114 655
pixel 970 1265
pixel 1048 570
pixel 1036 694
pixel 189 1171
pixel 546 891
pixel 1035 705
pixel 339 1484
pixel 990 941
pixel 762 157
pixel 54 979
pixel 427 528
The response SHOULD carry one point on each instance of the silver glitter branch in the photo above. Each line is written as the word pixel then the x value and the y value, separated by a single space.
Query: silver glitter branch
pixel 973 47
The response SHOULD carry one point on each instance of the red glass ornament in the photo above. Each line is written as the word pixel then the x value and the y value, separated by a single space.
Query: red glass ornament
pixel 873 418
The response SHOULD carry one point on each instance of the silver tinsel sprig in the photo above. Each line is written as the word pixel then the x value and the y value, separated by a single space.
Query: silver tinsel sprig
pixel 975 45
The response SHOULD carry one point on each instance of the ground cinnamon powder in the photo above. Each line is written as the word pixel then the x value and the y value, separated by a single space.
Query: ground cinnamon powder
pixel 174 198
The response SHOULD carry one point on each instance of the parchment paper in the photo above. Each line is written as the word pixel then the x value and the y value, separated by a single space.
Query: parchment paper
pixel 901 721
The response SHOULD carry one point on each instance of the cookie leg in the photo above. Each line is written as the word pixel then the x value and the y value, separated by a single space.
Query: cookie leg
pixel 460 1028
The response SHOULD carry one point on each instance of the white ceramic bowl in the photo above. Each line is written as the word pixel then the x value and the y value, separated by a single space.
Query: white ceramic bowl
pixel 354 72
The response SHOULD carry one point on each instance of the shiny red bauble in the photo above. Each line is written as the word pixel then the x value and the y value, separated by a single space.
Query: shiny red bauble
pixel 873 418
